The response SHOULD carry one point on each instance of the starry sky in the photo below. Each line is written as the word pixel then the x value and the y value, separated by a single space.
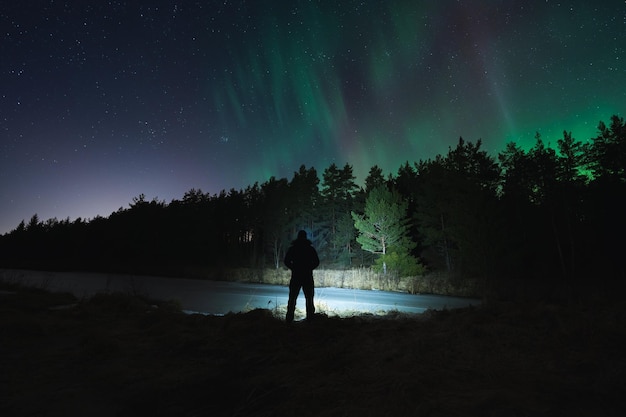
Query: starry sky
pixel 101 101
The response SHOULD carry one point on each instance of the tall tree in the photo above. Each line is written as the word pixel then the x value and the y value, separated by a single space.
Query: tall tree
pixel 276 217
pixel 432 214
pixel 384 225
pixel 338 192
pixel 253 237
pixel 406 182
pixel 374 179
pixel 544 171
pixel 34 223
pixel 607 152
pixel 605 202
pixel 456 208
pixel 567 201
pixel 570 160
pixel 304 189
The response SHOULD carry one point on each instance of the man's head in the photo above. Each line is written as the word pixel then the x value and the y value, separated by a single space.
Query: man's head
pixel 302 235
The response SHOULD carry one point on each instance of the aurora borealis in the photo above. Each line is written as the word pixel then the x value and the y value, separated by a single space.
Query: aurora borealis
pixel 103 101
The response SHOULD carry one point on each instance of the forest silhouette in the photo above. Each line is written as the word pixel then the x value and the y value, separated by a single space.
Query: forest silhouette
pixel 548 214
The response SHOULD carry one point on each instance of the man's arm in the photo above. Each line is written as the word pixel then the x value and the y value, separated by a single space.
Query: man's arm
pixel 315 260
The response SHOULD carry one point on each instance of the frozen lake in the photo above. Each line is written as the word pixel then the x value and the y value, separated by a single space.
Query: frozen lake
pixel 218 297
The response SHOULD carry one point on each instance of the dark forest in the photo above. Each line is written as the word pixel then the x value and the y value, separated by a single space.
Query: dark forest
pixel 551 214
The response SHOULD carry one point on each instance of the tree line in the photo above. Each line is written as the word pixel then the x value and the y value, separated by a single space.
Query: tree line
pixel 549 213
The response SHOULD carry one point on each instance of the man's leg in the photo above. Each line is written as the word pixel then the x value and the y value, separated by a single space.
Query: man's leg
pixel 309 293
pixel 294 290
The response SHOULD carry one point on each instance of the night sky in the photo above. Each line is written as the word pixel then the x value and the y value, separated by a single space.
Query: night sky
pixel 102 101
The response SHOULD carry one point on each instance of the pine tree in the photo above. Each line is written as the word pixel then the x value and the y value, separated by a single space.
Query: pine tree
pixel 384 225
pixel 338 196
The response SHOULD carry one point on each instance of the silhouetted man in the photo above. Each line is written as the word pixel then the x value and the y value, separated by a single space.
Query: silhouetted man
pixel 301 258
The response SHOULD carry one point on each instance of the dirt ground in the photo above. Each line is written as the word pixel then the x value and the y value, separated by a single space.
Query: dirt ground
pixel 116 355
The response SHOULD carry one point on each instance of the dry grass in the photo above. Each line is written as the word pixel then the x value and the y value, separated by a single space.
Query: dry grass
pixel 118 355
pixel 354 278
